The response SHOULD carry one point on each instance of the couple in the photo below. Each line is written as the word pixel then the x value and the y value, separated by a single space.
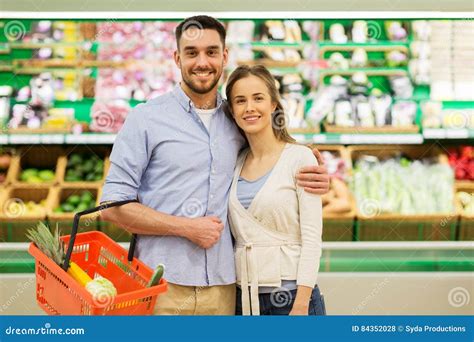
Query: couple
pixel 182 157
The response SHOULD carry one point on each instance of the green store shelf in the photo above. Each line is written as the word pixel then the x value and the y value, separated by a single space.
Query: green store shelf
pixel 375 44
pixel 273 44
pixel 348 257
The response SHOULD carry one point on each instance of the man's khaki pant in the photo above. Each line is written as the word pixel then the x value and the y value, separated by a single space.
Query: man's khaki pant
pixel 196 300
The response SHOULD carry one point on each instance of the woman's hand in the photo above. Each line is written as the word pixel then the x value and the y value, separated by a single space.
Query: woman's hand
pixel 299 309
pixel 301 303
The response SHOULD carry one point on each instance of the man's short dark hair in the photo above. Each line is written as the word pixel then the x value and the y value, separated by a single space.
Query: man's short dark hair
pixel 201 22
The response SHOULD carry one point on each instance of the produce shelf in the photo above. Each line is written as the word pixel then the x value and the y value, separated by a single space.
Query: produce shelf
pixel 336 257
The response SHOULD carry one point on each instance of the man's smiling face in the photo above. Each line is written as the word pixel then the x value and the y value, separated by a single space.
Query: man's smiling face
pixel 201 58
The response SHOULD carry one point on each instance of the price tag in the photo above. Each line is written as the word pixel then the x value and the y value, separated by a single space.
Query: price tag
pixel 434 133
pixel 23 139
pixel 52 139
pixel 319 139
pixel 457 133
pixel 75 139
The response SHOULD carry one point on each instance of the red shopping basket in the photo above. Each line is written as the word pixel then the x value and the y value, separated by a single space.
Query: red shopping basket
pixel 57 293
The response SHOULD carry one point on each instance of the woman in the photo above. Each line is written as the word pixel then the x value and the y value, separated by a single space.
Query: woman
pixel 277 226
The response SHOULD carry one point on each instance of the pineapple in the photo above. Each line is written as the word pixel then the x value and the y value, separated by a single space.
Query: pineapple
pixel 53 247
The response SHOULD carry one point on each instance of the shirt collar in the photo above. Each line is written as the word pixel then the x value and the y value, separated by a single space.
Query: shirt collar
pixel 186 102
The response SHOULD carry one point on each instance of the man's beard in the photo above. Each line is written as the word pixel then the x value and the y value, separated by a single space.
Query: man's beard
pixel 195 88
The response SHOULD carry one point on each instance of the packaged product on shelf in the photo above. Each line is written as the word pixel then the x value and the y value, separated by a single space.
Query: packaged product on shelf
pixel 360 31
pixel 37 117
pixel 277 30
pixel 431 114
pixel 359 84
pixel 27 116
pixel 314 29
pixel 458 118
pixel 338 61
pixel 240 31
pixel 421 30
pixel 294 104
pixel 395 30
pixel 380 104
pixel 396 59
pixel 337 34
pixel 403 113
pixel 359 59
pixel 434 116
pixel 461 160
pixel 5 97
pixel 401 86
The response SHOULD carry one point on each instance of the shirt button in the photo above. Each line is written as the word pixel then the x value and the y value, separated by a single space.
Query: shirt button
pixel 212 196
pixel 213 171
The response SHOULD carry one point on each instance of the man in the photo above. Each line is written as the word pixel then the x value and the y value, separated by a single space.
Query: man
pixel 177 154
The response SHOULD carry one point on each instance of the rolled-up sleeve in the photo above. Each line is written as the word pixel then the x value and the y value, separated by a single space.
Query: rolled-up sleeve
pixel 129 159
pixel 310 212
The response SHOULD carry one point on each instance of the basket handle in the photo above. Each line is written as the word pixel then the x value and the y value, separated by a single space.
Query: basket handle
pixel 75 226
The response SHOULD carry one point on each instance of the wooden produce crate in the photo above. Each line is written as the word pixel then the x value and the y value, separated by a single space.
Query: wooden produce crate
pixel 10 170
pixel 339 227
pixel 114 232
pixel 102 152
pixel 395 227
pixel 41 158
pixel 64 220
pixel 15 219
pixel 466 222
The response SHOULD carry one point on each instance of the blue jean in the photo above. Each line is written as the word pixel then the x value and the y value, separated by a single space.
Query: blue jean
pixel 280 303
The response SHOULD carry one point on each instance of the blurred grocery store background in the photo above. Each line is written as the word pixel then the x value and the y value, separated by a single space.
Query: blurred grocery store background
pixel 388 97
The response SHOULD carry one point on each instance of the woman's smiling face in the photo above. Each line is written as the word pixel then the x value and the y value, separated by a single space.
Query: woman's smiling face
pixel 252 105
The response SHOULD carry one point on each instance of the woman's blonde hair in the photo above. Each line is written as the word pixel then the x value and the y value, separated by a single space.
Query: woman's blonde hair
pixel 278 116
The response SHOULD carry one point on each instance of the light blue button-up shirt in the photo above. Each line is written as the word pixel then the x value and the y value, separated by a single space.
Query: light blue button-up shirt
pixel 165 156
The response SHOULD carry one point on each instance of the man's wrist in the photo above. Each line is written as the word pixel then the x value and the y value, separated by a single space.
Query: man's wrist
pixel 184 227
